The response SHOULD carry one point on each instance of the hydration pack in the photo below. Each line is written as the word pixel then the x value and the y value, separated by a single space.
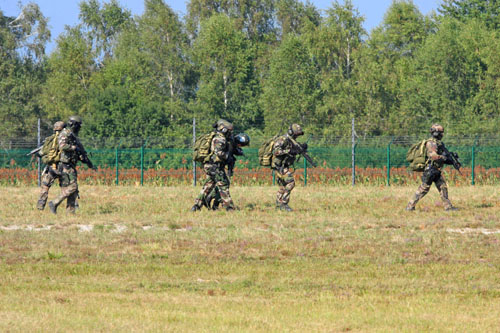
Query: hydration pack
pixel 202 149
pixel 417 156
pixel 266 151
pixel 50 152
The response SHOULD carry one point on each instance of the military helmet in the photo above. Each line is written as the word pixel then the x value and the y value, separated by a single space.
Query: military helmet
pixel 224 126
pixel 75 119
pixel 437 131
pixel 295 130
pixel 59 125
pixel 437 128
pixel 242 139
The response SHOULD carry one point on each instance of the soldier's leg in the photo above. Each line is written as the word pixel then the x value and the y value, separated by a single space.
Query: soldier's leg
pixel 71 201
pixel 69 188
pixel 422 190
pixel 208 186
pixel 287 184
pixel 207 200
pixel 222 184
pixel 216 199
pixel 46 182
pixel 443 191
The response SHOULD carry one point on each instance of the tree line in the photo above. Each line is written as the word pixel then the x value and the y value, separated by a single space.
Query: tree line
pixel 258 63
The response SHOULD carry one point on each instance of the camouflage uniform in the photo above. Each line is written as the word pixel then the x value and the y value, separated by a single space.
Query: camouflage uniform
pixel 48 178
pixel 283 158
pixel 432 174
pixel 68 144
pixel 49 175
pixel 213 199
pixel 215 174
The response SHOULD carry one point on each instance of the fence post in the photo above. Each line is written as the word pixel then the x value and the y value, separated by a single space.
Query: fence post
pixel 142 164
pixel 473 163
pixel 353 152
pixel 194 141
pixel 116 162
pixel 389 162
pixel 39 161
pixel 305 172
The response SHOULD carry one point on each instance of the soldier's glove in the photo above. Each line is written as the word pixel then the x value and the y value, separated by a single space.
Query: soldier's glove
pixel 304 146
pixel 238 151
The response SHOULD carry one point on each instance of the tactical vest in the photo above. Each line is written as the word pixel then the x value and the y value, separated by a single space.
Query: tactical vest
pixel 440 149
pixel 284 160
pixel 69 157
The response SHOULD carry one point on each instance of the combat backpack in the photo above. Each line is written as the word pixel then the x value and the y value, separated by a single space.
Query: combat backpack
pixel 202 147
pixel 50 152
pixel 266 151
pixel 417 156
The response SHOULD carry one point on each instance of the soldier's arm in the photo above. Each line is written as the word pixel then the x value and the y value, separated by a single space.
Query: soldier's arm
pixel 432 151
pixel 80 147
pixel 279 148
pixel 64 143
pixel 219 149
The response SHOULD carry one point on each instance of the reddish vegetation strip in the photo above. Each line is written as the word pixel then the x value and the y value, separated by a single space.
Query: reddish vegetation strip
pixel 259 176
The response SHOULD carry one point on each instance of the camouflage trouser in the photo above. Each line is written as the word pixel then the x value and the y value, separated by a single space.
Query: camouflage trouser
pixel 47 181
pixel 216 178
pixel 69 188
pixel 431 175
pixel 213 199
pixel 285 180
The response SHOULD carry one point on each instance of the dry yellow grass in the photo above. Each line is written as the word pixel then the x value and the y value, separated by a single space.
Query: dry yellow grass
pixel 345 260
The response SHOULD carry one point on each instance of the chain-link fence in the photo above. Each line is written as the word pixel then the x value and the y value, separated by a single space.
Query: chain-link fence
pixel 159 161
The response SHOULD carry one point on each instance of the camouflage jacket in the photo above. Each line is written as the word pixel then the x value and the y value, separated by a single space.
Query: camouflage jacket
pixel 220 149
pixel 435 150
pixel 282 152
pixel 69 144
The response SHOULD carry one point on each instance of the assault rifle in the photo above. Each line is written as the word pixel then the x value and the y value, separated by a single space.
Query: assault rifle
pixel 35 151
pixel 82 154
pixel 302 150
pixel 452 158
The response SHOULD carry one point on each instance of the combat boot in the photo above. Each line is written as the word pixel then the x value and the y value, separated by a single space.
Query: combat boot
pixel 230 209
pixel 410 208
pixel 215 204
pixel 52 207
pixel 195 208
pixel 40 205
pixel 286 208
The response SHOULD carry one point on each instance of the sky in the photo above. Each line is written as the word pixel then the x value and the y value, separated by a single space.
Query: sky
pixel 65 12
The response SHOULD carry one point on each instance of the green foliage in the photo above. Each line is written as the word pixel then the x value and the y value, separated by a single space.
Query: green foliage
pixel 70 67
pixel 290 92
pixel 22 70
pixel 486 11
pixel 227 87
pixel 103 24
pixel 258 63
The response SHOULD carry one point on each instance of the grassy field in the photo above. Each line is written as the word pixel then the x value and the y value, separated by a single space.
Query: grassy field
pixel 135 259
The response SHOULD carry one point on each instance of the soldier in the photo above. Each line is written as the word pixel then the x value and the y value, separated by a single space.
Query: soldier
pixel 432 172
pixel 213 199
pixel 214 167
pixel 50 173
pixel 72 151
pixel 284 156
